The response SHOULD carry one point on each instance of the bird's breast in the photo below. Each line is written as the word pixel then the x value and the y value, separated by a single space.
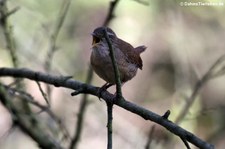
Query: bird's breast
pixel 102 64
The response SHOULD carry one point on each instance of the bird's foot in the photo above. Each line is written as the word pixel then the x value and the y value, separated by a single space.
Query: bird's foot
pixel 103 88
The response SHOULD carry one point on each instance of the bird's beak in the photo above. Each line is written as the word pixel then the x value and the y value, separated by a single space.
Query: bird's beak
pixel 95 39
pixel 93 34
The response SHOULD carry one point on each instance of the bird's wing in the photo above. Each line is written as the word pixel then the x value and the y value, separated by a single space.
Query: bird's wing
pixel 132 54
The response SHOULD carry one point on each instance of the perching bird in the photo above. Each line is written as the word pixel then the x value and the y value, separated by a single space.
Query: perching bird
pixel 126 56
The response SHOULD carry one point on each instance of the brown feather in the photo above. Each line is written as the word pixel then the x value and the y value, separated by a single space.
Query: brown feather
pixel 133 54
pixel 140 49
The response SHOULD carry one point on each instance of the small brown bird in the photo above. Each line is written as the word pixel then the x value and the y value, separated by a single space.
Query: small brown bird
pixel 127 57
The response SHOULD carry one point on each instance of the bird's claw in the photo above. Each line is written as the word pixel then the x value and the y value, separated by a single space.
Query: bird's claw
pixel 103 88
pixel 99 93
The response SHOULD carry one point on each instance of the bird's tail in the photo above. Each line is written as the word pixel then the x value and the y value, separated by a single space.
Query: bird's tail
pixel 140 49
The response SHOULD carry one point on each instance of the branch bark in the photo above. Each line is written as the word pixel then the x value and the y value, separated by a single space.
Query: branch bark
pixel 60 81
pixel 110 125
pixel 43 140
pixel 7 29
pixel 84 100
pixel 115 67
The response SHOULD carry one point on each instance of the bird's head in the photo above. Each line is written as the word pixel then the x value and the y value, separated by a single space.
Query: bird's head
pixel 98 34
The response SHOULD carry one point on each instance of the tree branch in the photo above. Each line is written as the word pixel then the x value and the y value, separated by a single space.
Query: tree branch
pixel 28 98
pixel 60 81
pixel 109 124
pixel 53 38
pixel 115 67
pixel 84 100
pixel 62 15
pixel 210 74
pixel 7 28
pixel 110 14
pixel 80 115
pixel 29 126
pixel 150 137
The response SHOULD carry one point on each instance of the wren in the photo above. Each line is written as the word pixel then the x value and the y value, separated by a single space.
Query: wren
pixel 126 56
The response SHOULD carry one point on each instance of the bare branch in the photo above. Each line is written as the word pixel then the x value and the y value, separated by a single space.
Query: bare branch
pixel 166 114
pixel 109 125
pixel 43 93
pixel 52 49
pixel 89 78
pixel 62 15
pixel 80 115
pixel 185 143
pixel 115 67
pixel 208 75
pixel 28 126
pixel 7 28
pixel 150 137
pixel 110 14
pixel 59 81
pixel 118 91
pixel 29 99
pixel 8 34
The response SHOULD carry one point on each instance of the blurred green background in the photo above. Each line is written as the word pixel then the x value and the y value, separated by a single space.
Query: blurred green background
pixel 183 43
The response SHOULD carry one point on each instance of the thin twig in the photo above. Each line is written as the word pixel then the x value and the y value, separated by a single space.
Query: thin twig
pixel 62 15
pixel 118 90
pixel 14 10
pixel 83 103
pixel 115 67
pixel 166 114
pixel 7 29
pixel 29 98
pixel 52 49
pixel 81 113
pixel 109 125
pixel 111 10
pixel 29 126
pixel 43 93
pixel 208 75
pixel 11 45
pixel 150 137
pixel 8 33
pixel 185 143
